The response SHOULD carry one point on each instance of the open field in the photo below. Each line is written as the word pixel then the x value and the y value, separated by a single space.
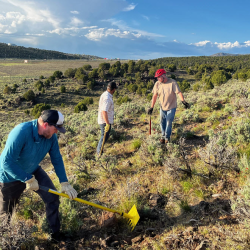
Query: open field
pixel 192 193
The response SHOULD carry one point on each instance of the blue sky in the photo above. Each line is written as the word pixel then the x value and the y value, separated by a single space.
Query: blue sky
pixel 139 29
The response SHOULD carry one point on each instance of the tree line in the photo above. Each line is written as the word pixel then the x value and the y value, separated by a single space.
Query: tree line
pixel 7 51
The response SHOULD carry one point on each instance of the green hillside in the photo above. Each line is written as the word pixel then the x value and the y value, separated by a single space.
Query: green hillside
pixel 192 193
pixel 13 51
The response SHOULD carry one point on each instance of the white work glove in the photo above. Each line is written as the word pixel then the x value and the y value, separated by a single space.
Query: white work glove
pixel 32 184
pixel 69 190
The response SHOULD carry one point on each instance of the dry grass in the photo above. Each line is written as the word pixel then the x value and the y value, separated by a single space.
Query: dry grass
pixel 188 211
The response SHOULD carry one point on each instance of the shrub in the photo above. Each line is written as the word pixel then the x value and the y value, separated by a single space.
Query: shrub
pixel 219 77
pixel 88 100
pixel 184 85
pixel 150 85
pixel 41 77
pixel 198 76
pixel 171 67
pixel 116 94
pixel 63 89
pixel 139 91
pixel 124 99
pixel 81 106
pixel 7 90
pixel 196 86
pixel 87 67
pixel 39 85
pixel 70 73
pixel 15 86
pixel 136 144
pixel 24 80
pixel 144 91
pixel 58 74
pixel 90 84
pixel 38 108
pixel 93 73
pixel 29 95
pixel 52 79
pixel 149 96
pixel 47 83
pixel 132 88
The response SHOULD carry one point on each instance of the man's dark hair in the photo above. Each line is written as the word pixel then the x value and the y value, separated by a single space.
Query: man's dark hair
pixel 112 86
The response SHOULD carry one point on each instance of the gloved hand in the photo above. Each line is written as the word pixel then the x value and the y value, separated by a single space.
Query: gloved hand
pixel 186 104
pixel 107 127
pixel 69 190
pixel 32 184
pixel 150 111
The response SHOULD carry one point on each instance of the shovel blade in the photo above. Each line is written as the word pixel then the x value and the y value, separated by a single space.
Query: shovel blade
pixel 135 217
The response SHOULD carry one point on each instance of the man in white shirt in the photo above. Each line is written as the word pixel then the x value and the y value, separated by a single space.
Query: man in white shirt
pixel 106 113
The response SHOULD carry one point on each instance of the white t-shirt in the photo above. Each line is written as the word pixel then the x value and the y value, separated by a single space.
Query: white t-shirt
pixel 106 104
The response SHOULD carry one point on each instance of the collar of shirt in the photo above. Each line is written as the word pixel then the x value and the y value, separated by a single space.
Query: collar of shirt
pixel 110 95
pixel 36 136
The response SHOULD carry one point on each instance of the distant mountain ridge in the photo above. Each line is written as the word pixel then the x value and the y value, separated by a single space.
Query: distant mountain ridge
pixel 225 54
pixel 14 51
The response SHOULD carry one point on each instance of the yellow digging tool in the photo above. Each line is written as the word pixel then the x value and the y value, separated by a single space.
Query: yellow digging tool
pixel 132 216
pixel 104 137
pixel 106 130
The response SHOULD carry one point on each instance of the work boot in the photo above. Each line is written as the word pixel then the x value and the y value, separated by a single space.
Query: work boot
pixel 162 141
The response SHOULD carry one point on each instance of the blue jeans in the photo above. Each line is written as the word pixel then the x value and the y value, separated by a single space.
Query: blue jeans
pixel 166 121
pixel 102 126
pixel 10 194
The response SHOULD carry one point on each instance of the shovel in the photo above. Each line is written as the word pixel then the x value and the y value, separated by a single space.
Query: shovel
pixel 132 216
pixel 103 142
pixel 150 126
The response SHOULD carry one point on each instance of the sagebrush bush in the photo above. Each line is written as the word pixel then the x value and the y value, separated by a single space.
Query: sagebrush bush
pixel 81 106
pixel 29 95
pixel 38 108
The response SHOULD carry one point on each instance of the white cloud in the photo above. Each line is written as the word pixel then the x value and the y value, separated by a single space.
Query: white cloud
pixel 222 46
pixel 202 43
pixel 247 43
pixel 130 7
pixel 123 26
pixel 70 30
pixel 98 34
pixel 228 45
pixel 75 21
pixel 145 17
pixel 75 12
pixel 28 34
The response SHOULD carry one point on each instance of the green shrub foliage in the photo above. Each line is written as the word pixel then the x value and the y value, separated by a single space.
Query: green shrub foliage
pixel 81 106
pixel 29 95
pixel 38 108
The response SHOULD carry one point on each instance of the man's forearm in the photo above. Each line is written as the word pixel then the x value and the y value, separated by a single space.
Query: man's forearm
pixel 153 101
pixel 181 96
pixel 105 116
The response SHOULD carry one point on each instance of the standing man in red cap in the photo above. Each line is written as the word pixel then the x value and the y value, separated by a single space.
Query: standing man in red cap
pixel 26 146
pixel 167 89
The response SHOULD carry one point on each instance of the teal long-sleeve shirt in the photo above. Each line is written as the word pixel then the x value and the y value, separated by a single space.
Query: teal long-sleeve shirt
pixel 23 152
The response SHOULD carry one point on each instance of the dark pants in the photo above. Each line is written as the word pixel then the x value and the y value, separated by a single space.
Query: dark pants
pixel 10 195
pixel 102 126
